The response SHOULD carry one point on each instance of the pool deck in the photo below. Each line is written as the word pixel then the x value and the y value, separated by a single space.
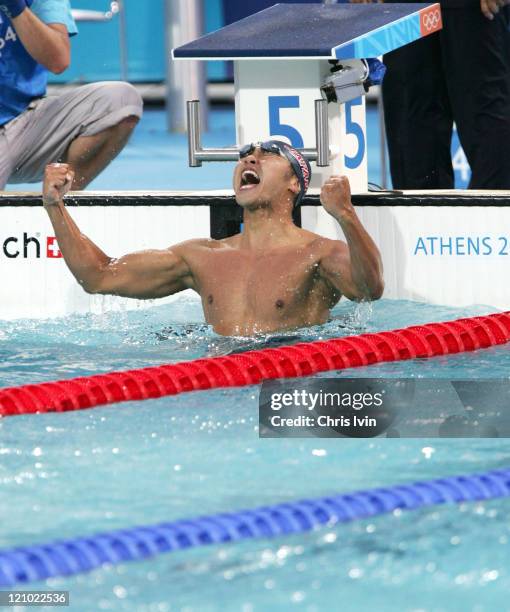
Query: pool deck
pixel 155 160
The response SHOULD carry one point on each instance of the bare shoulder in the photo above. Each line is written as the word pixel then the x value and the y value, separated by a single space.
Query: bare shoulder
pixel 324 247
pixel 195 245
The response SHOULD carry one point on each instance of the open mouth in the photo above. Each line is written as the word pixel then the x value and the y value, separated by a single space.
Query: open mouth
pixel 249 179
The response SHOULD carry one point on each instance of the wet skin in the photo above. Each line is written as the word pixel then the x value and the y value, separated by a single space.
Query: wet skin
pixel 249 291
pixel 272 276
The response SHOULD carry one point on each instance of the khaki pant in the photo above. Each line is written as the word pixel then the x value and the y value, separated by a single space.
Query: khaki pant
pixel 42 134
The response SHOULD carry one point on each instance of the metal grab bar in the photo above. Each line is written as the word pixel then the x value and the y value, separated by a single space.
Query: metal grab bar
pixel 98 16
pixel 197 154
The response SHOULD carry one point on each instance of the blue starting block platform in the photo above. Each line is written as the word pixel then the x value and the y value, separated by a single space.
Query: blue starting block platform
pixel 318 31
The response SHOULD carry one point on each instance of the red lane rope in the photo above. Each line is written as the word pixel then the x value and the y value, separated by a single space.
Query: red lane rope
pixel 250 368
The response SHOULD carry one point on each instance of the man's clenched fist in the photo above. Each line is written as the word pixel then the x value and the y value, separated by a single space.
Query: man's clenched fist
pixel 336 196
pixel 58 179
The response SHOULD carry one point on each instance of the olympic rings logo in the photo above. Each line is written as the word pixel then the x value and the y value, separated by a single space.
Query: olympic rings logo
pixel 431 20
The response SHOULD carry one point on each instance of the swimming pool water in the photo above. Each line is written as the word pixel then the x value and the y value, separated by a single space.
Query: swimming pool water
pixel 64 475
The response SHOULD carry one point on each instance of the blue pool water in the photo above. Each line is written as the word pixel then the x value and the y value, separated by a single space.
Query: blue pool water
pixel 64 475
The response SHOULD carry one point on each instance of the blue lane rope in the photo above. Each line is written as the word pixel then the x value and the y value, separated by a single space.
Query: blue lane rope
pixel 27 564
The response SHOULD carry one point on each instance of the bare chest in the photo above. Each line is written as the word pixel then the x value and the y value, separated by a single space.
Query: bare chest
pixel 247 286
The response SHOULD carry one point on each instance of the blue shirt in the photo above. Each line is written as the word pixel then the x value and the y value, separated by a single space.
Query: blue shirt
pixel 22 79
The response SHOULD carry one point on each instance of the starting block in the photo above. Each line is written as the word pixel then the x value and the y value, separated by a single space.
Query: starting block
pixel 284 55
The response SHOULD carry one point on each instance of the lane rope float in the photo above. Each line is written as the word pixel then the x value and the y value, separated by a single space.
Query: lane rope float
pixel 253 367
pixel 26 564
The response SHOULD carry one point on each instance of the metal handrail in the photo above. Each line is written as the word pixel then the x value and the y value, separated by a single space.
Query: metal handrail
pixel 97 16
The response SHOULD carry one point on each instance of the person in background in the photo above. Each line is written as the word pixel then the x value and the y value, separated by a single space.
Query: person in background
pixel 460 74
pixel 86 128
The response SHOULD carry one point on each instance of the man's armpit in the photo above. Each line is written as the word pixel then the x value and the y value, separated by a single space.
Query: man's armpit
pixel 335 259
pixel 335 269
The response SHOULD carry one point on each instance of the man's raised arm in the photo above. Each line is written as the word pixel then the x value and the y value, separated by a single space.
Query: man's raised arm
pixel 143 275
pixel 356 269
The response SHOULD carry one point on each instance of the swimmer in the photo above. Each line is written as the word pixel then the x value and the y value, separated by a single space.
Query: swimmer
pixel 273 276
